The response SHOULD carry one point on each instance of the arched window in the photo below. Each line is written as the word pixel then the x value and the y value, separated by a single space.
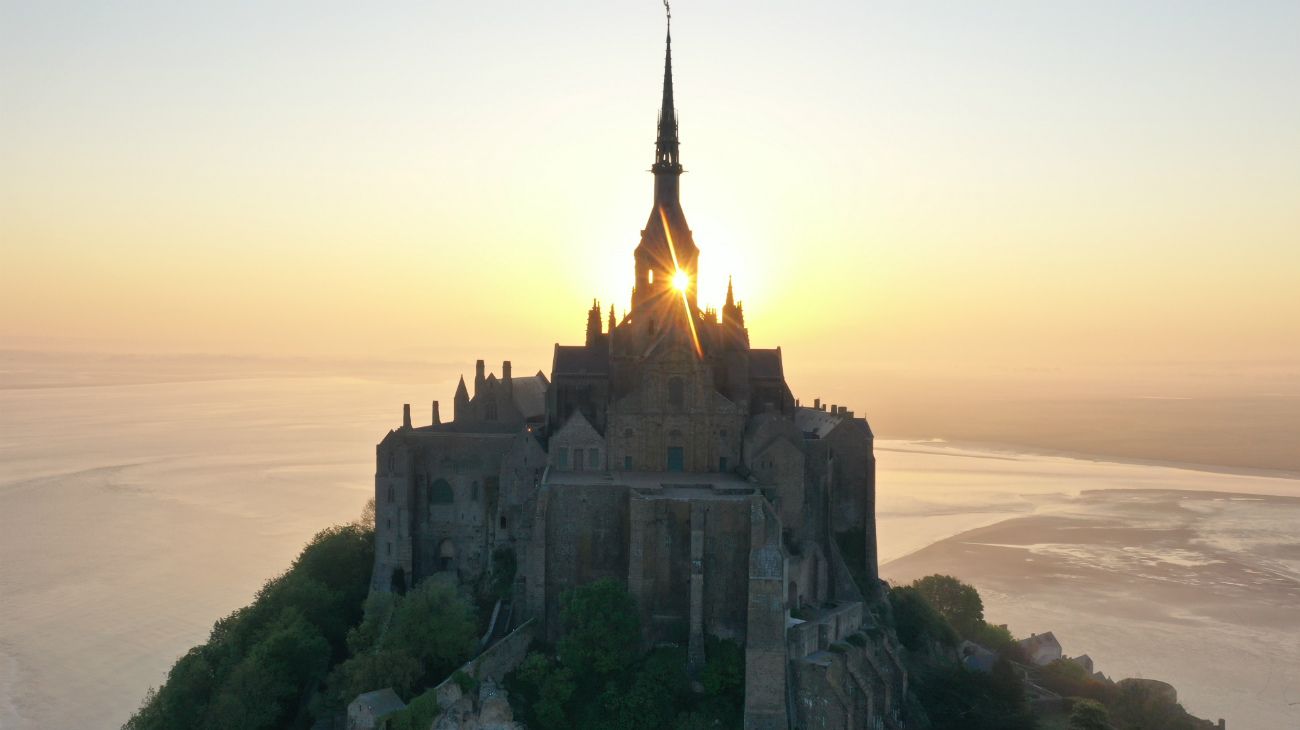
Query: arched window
pixel 676 392
pixel 440 493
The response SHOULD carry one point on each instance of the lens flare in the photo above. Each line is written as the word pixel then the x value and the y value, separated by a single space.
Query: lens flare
pixel 681 281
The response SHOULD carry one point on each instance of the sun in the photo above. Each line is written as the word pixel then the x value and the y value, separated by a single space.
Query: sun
pixel 681 280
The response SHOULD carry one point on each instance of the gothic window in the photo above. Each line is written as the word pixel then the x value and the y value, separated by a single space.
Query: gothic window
pixel 676 392
pixel 440 493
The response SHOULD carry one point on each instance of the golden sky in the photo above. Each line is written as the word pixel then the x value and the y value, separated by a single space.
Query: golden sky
pixel 917 186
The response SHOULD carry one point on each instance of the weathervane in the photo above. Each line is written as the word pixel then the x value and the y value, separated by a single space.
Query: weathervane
pixel 669 11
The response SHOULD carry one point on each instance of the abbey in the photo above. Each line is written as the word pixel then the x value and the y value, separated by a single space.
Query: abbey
pixel 668 453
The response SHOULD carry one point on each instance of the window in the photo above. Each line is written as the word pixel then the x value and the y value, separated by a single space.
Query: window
pixel 473 492
pixel 722 463
pixel 562 458
pixel 391 494
pixel 593 458
pixel 627 462
pixel 649 276
pixel 577 459
pixel 676 392
pixel 389 547
pixel 503 522
pixel 440 493
pixel 388 523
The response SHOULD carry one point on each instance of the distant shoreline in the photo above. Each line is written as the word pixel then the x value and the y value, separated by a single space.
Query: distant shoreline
pixel 996 450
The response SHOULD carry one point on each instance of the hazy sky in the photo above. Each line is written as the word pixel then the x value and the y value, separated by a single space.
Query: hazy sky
pixel 921 185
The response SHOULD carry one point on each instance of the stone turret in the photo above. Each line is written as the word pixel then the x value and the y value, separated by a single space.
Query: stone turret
pixel 461 403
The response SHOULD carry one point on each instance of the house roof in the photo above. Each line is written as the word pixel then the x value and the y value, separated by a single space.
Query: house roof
pixel 580 360
pixel 1037 640
pixel 816 423
pixel 530 395
pixel 380 702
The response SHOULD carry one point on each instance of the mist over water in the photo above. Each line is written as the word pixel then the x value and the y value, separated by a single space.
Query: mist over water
pixel 137 507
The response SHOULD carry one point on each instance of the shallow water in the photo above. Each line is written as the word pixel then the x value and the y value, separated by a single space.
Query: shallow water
pixel 1185 576
pixel 133 516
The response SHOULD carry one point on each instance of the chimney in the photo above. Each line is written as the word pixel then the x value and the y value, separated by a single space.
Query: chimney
pixel 436 418
pixel 406 415
pixel 505 375
pixel 834 409
pixel 817 403
pixel 479 377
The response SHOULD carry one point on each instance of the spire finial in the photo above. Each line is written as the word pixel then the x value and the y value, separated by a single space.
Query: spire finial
pixel 666 158
pixel 731 300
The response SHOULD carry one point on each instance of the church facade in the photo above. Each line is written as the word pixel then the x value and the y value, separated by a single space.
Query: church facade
pixel 668 453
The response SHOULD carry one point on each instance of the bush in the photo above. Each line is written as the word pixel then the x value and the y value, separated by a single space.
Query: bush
pixel 419 715
pixel 956 698
pixel 602 629
pixel 1089 715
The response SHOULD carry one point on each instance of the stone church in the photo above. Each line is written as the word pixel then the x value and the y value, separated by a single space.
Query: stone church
pixel 667 452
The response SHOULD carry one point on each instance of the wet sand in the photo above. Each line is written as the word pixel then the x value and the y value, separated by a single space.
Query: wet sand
pixel 1198 588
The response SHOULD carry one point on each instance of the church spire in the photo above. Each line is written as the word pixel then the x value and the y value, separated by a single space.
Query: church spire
pixel 666 152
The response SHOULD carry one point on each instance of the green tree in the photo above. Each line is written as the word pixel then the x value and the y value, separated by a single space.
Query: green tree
pixel 601 629
pixel 1089 715
pixel 955 601
pixel 916 621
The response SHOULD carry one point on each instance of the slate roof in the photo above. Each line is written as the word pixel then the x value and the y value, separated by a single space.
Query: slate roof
pixel 580 360
pixel 530 395
pixel 815 423
pixel 380 702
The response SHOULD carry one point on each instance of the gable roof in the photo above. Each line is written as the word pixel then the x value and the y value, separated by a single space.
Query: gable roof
pixel 380 702
pixel 816 423
pixel 530 395
pixel 580 360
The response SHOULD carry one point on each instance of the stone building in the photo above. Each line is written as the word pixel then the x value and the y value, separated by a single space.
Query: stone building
pixel 668 453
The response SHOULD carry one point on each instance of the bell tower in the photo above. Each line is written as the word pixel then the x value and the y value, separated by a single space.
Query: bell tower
pixel 666 259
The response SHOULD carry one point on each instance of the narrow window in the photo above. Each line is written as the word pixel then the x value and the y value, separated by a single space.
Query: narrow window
pixel 503 522
pixel 627 462
pixel 722 463
pixel 577 459
pixel 650 276
pixel 593 458
pixel 391 494
pixel 389 546
pixel 563 458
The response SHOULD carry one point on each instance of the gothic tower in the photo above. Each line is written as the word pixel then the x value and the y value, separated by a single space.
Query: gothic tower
pixel 666 258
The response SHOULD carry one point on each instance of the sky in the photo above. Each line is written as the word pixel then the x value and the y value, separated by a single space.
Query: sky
pixel 927 187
